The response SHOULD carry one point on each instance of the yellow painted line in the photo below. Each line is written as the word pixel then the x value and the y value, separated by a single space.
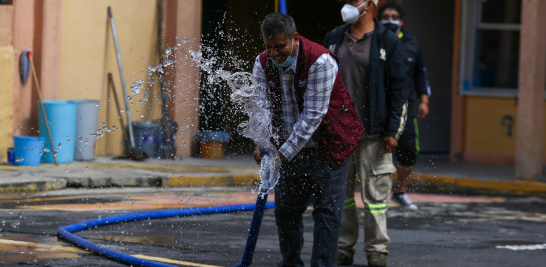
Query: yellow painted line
pixel 212 180
pixel 525 186
pixel 36 245
pixel 125 196
pixel 29 187
pixel 131 165
pixel 79 250
pixel 251 176
pixel 172 261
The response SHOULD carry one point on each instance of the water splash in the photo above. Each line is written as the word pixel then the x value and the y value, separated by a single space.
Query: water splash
pixel 248 95
pixel 99 133
pixel 135 88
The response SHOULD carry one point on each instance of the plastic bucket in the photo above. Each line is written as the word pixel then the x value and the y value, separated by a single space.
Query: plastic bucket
pixel 212 150
pixel 86 128
pixel 212 143
pixel 28 150
pixel 145 133
pixel 62 116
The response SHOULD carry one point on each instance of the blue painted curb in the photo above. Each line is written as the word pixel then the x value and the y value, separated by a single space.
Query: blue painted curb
pixel 66 232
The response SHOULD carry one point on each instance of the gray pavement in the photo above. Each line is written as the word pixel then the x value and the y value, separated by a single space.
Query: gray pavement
pixel 236 161
pixel 447 230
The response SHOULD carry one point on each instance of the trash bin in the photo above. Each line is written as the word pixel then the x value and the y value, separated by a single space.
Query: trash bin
pixel 161 141
pixel 28 150
pixel 145 133
pixel 212 143
pixel 86 128
pixel 61 115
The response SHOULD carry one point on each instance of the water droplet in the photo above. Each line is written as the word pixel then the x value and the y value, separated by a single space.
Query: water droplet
pixel 99 133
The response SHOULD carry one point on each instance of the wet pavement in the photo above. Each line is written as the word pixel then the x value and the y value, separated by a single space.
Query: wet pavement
pixel 447 230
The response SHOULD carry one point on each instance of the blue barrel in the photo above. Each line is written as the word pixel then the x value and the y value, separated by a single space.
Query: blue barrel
pixel 28 150
pixel 62 117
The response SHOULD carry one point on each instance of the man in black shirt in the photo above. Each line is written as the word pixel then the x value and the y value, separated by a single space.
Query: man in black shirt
pixel 371 63
pixel 391 15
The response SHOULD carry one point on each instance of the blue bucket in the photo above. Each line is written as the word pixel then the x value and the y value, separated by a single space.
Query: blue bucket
pixel 28 150
pixel 62 116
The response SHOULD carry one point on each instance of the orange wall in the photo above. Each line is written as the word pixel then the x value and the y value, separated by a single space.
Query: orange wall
pixel 88 55
pixel 485 138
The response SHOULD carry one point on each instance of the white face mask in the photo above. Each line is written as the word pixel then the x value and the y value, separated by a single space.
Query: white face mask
pixel 350 13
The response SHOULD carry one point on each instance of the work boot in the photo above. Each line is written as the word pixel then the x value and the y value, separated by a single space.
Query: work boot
pixel 404 201
pixel 377 260
pixel 343 259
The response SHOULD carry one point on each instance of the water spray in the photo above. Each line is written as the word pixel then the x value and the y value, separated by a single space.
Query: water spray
pixel 254 103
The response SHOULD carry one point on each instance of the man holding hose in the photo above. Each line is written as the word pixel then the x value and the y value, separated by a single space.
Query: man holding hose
pixel 317 129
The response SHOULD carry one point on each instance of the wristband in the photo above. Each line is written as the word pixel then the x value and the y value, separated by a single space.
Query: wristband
pixel 426 103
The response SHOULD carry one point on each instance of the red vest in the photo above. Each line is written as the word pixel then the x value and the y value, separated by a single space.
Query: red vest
pixel 341 129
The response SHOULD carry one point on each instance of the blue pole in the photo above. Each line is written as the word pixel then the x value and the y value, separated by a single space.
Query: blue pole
pixel 282 6
pixel 253 232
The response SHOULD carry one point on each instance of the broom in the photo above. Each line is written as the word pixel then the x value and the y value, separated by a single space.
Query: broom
pixel 29 54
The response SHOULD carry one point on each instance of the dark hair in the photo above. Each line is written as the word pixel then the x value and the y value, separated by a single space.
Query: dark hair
pixel 391 5
pixel 277 23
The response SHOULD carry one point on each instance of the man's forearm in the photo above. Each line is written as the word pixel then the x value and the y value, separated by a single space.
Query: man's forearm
pixel 320 82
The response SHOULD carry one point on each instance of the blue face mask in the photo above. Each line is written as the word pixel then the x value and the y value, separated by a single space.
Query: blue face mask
pixel 288 60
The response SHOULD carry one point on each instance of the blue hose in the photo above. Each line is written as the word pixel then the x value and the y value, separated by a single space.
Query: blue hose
pixel 65 232
pixel 253 233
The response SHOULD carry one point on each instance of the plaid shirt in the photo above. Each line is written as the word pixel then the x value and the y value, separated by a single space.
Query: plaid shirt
pixel 299 127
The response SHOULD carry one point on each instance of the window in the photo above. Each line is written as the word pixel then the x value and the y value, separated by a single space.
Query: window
pixel 490 47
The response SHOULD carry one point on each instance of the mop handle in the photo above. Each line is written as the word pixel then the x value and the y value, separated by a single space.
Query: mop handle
pixel 122 75
pixel 29 54
pixel 112 86
pixel 253 232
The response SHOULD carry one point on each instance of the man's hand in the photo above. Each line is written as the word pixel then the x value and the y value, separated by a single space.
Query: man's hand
pixel 423 107
pixel 389 144
pixel 279 159
pixel 257 155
